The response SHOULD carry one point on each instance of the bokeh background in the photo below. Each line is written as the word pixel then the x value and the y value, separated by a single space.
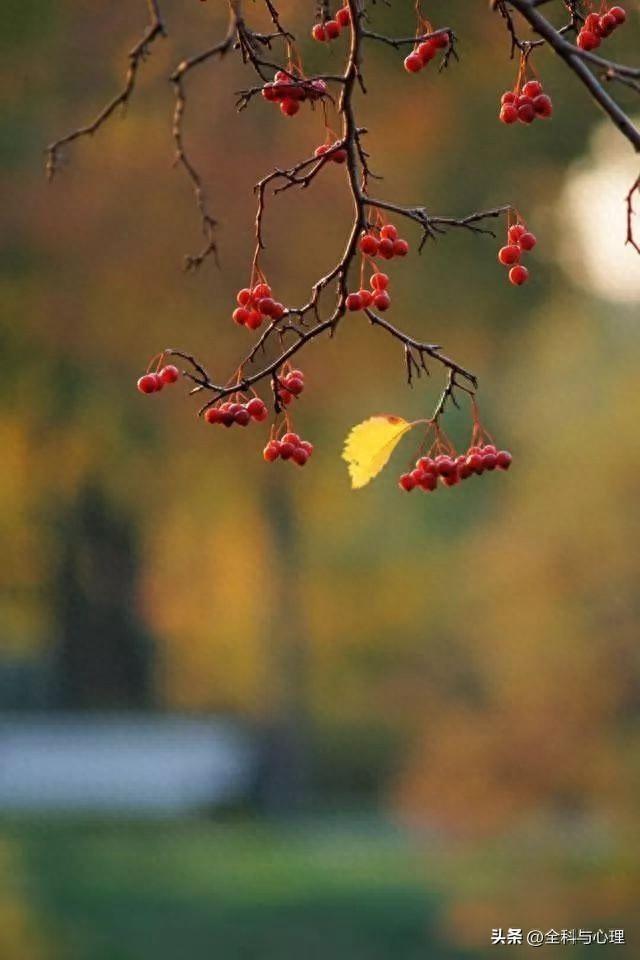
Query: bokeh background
pixel 410 720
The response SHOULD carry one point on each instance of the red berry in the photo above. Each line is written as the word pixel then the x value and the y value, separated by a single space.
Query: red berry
pixel 508 97
pixel 307 447
pixel 241 315
pixel 400 248
pixel 366 298
pixel 489 461
pixel 272 451
pixel 169 374
pixel 440 41
pixel 543 106
pixel 212 415
pixel 332 29
pixel 619 13
pixel 300 456
pixel 515 232
pixel 285 397
pixel 518 275
pixel 385 248
pixel 269 92
pixel 532 89
pixel 379 281
pixel 353 302
pixel 488 448
pixel 254 320
pixel 286 450
pixel 278 311
pixel 426 51
pixel 244 296
pixel 339 156
pixel 242 417
pixel 297 373
pixel 425 464
pixel 257 409
pixel 147 383
pixel 504 459
pixel 321 150
pixel 319 33
pixel 389 232
pixel 343 16
pixel 509 113
pixel 508 255
pixel 294 385
pixel 587 40
pixel 591 22
pixel 261 290
pixel 406 482
pixel 526 113
pixel 528 241
pixel 369 245
pixel 382 301
pixel 413 63
pixel 606 25
pixel 475 463
pixel 429 480
pixel 291 438
pixel 445 467
pixel 289 107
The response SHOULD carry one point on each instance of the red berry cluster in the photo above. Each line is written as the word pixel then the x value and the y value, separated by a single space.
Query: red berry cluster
pixel 290 92
pixel 377 297
pixel 386 245
pixel 231 412
pixel 450 470
pixel 290 447
pixel 424 52
pixel 335 151
pixel 255 304
pixel 597 27
pixel 290 385
pixel 154 382
pixel 527 105
pixel 520 240
pixel 331 29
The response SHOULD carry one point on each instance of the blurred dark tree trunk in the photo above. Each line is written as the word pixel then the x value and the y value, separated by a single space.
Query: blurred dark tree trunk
pixel 103 656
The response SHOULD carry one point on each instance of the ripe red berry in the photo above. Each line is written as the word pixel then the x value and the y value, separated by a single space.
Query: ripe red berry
pixel 241 315
pixel 528 241
pixel 619 14
pixel 285 397
pixel 353 302
pixel 169 374
pixel 526 113
pixel 147 383
pixel 379 281
pixel 254 319
pixel 339 156
pixel 286 450
pixel 257 409
pixel 343 16
pixel 366 298
pixel 278 311
pixel 332 29
pixel 319 33
pixel 606 25
pixel 212 415
pixel 588 40
pixel 509 113
pixel 300 456
pixel 244 296
pixel 242 417
pixel 508 97
pixel 429 480
pixel 413 63
pixel 509 254
pixel 400 248
pixel 272 451
pixel 269 92
pixel 369 245
pixel 515 232
pixel 543 106
pixel 261 290
pixel 389 232
pixel 385 248
pixel 518 275
pixel 440 41
pixel 382 301
pixel 426 51
pixel 591 22
pixel 504 459
pixel 475 463
pixel 291 438
pixel 445 466
pixel 295 385
pixel 406 482
pixel 289 107
pixel 532 89
pixel 489 461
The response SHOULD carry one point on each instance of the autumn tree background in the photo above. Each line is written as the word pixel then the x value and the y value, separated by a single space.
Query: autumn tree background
pixel 466 669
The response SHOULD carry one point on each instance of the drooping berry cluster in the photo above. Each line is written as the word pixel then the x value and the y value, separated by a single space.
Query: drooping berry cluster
pixel 238 412
pixel 290 447
pixel 290 385
pixel 255 304
pixel 598 26
pixel 386 243
pixel 450 469
pixel 519 241
pixel 331 29
pixel 290 92
pixel 332 151
pixel 423 53
pixel 527 105
pixel 378 297
pixel 154 382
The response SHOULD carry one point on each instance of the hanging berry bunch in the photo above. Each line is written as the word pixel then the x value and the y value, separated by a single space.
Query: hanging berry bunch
pixel 519 241
pixel 256 303
pixel 330 29
pixel 598 26
pixel 331 149
pixel 383 240
pixel 427 44
pixel 291 88
pixel 289 447
pixel 237 410
pixel 288 385
pixel 527 101
pixel 154 381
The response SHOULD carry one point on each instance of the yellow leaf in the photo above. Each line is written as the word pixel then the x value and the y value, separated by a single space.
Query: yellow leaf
pixel 369 446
